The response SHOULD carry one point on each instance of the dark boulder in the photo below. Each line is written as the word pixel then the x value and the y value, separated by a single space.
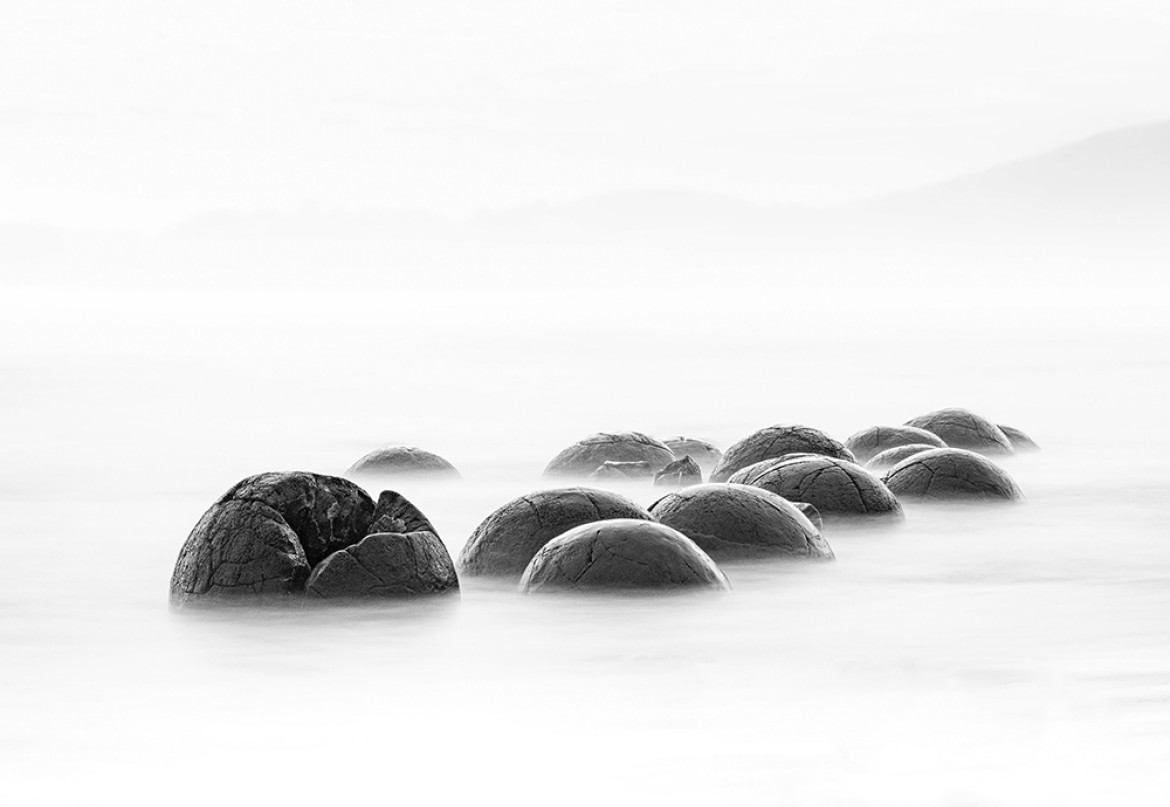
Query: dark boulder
pixel 620 554
pixel 705 454
pixel 731 522
pixel 868 443
pixel 621 471
pixel 951 474
pixel 892 456
pixel 1019 440
pixel 395 513
pixel 504 543
pixel 837 488
pixel 679 474
pixel 403 461
pixel 584 457
pixel 386 565
pixel 774 442
pixel 961 428
pixel 811 513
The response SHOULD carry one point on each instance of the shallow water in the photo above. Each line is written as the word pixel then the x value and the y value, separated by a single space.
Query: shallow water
pixel 1001 655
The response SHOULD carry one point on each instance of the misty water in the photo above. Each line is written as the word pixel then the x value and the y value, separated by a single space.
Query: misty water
pixel 998 655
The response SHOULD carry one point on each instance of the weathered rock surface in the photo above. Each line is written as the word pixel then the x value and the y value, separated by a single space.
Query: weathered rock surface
pixel 951 474
pixel 811 513
pixel 837 488
pixel 705 454
pixel 868 443
pixel 961 428
pixel 504 543
pixel 892 456
pixel 737 521
pixel 621 554
pixel 386 565
pixel 395 513
pixel 403 461
pixel 585 456
pixel 776 441
pixel 1019 440
pixel 680 473
pixel 622 470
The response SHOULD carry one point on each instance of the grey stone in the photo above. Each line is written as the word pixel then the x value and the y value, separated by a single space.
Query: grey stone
pixel 811 513
pixel 585 456
pixel 702 452
pixel 395 513
pixel 386 565
pixel 776 441
pixel 961 428
pixel 1019 440
pixel 892 456
pixel 837 488
pixel 504 543
pixel 622 470
pixel 868 443
pixel 737 521
pixel 679 473
pixel 621 554
pixel 951 474
pixel 403 461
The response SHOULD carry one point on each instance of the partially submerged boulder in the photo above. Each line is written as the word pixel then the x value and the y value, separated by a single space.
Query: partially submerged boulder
pixel 386 565
pixel 1019 440
pixel 868 443
pixel 837 488
pixel 504 542
pixel 731 522
pixel 610 470
pixel 951 474
pixel 403 461
pixel 811 513
pixel 892 456
pixel 776 441
pixel 705 454
pixel 587 455
pixel 621 554
pixel 679 473
pixel 962 428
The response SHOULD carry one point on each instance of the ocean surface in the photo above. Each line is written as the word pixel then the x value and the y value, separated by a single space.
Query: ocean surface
pixel 1014 655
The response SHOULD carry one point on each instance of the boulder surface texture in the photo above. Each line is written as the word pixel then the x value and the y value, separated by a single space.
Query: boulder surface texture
pixel 587 455
pixel 837 488
pixel 702 452
pixel 774 442
pixel 386 564
pixel 868 443
pixel 962 428
pixel 680 473
pixel 892 456
pixel 951 474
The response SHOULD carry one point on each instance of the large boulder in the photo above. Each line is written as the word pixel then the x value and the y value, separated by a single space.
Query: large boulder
pixel 395 513
pixel 680 473
pixel 811 513
pixel 951 474
pixel 868 443
pixel 403 461
pixel 892 456
pixel 621 554
pixel 1020 441
pixel 837 488
pixel 587 455
pixel 961 428
pixel 386 565
pixel 776 441
pixel 731 522
pixel 702 452
pixel 504 542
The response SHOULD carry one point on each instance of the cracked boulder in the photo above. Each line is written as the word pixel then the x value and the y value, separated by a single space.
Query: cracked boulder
pixel 837 488
pixel 504 543
pixel 892 456
pixel 586 456
pixel 951 474
pixel 403 461
pixel 733 522
pixel 620 471
pixel 961 428
pixel 776 441
pixel 868 443
pixel 702 452
pixel 679 474
pixel 811 513
pixel 621 554
pixel 1019 440
pixel 386 565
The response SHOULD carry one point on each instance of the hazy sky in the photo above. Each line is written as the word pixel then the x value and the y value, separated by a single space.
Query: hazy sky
pixel 136 113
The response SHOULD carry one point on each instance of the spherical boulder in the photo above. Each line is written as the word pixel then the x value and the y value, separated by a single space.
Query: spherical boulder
pixel 585 456
pixel 961 428
pixel 705 454
pixel 892 456
pixel 731 522
pixel 1020 441
pixel 621 554
pixel 403 461
pixel 868 443
pixel 951 474
pixel 504 542
pixel 776 441
pixel 386 565
pixel 679 473
pixel 837 488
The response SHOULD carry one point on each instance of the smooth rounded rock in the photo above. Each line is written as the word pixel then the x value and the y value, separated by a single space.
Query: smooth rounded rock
pixel 504 542
pixel 837 488
pixel 892 456
pixel 868 443
pixel 706 454
pixel 731 522
pixel 621 554
pixel 386 565
pixel 679 474
pixel 962 428
pixel 1020 441
pixel 951 474
pixel 587 455
pixel 403 461
pixel 776 441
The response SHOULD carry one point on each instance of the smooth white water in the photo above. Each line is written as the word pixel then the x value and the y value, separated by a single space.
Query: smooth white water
pixel 996 656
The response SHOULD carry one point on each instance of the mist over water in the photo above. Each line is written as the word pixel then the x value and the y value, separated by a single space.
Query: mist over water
pixel 998 655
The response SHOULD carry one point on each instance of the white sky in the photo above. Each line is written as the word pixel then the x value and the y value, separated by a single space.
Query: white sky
pixel 135 113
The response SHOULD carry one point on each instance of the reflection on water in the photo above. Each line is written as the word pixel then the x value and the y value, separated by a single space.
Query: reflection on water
pixel 1002 655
